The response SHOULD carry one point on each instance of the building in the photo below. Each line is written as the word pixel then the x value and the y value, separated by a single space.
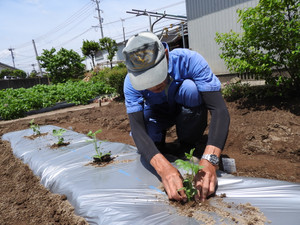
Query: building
pixel 176 36
pixel 101 57
pixel 205 18
pixel 5 66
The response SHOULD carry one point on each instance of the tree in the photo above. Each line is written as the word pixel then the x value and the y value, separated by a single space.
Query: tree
pixel 6 72
pixel 19 73
pixel 33 74
pixel 269 46
pixel 89 49
pixel 110 46
pixel 64 65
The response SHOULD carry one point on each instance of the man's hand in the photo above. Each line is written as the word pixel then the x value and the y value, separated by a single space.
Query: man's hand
pixel 172 181
pixel 206 179
pixel 170 176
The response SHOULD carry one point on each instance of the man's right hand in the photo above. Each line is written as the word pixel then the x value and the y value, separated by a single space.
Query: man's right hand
pixel 170 176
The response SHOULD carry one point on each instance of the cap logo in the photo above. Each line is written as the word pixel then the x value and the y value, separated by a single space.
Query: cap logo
pixel 142 59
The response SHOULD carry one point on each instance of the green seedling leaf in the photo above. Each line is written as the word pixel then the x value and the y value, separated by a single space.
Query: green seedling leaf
pixel 59 133
pixel 35 127
pixel 99 155
pixel 189 166
pixel 196 168
pixel 183 164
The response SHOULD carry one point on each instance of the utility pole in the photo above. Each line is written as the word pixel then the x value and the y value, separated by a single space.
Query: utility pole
pixel 36 54
pixel 123 31
pixel 99 17
pixel 12 56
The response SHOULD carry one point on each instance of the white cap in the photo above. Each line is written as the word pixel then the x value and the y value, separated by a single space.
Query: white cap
pixel 145 60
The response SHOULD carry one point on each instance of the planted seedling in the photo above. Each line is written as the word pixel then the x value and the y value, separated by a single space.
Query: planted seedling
pixel 99 156
pixel 59 133
pixel 189 166
pixel 36 131
pixel 35 128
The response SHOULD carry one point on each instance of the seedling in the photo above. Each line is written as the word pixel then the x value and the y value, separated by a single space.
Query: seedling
pixel 35 127
pixel 99 155
pixel 59 133
pixel 188 182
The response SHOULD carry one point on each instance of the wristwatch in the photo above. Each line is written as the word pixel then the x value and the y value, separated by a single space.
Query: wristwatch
pixel 213 159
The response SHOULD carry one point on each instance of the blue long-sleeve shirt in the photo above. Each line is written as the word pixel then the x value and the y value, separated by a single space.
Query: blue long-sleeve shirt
pixel 183 64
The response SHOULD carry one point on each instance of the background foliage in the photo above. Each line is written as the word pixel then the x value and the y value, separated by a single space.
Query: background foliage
pixel 12 73
pixel 110 46
pixel 89 49
pixel 269 47
pixel 16 102
pixel 62 66
pixel 113 77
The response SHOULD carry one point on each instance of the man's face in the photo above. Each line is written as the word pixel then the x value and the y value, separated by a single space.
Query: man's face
pixel 160 87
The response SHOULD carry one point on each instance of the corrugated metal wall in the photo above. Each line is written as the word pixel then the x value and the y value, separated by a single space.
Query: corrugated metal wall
pixel 205 18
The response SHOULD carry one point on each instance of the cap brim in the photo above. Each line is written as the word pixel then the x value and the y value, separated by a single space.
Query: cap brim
pixel 151 77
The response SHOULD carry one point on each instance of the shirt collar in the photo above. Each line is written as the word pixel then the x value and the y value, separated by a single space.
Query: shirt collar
pixel 170 58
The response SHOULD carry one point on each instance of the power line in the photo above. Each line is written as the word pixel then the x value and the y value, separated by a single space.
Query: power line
pixel 71 28
pixel 131 17
pixel 84 10
pixel 168 6
pixel 72 22
pixel 72 39
pixel 137 29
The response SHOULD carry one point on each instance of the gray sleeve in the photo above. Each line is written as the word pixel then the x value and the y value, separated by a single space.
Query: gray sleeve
pixel 143 142
pixel 220 119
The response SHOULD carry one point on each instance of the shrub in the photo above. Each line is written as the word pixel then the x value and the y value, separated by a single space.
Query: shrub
pixel 269 46
pixel 6 72
pixel 19 73
pixel 234 91
pixel 16 102
pixel 113 77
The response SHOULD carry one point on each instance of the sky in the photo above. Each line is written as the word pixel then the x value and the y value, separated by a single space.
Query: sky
pixel 66 23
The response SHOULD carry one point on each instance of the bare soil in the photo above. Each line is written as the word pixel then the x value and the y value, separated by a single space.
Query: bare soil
pixel 227 213
pixel 264 140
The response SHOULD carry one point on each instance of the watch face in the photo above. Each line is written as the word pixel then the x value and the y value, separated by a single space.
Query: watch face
pixel 214 159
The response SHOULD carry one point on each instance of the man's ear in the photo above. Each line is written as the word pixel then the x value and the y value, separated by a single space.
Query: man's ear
pixel 167 54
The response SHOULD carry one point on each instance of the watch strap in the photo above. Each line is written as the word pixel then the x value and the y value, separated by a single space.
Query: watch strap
pixel 213 159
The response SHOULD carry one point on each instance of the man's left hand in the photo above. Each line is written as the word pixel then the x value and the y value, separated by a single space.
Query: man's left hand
pixel 205 180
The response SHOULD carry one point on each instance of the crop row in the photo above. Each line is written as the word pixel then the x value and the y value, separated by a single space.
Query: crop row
pixel 15 103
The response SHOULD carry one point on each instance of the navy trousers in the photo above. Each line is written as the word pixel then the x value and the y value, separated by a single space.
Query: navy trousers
pixel 186 110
